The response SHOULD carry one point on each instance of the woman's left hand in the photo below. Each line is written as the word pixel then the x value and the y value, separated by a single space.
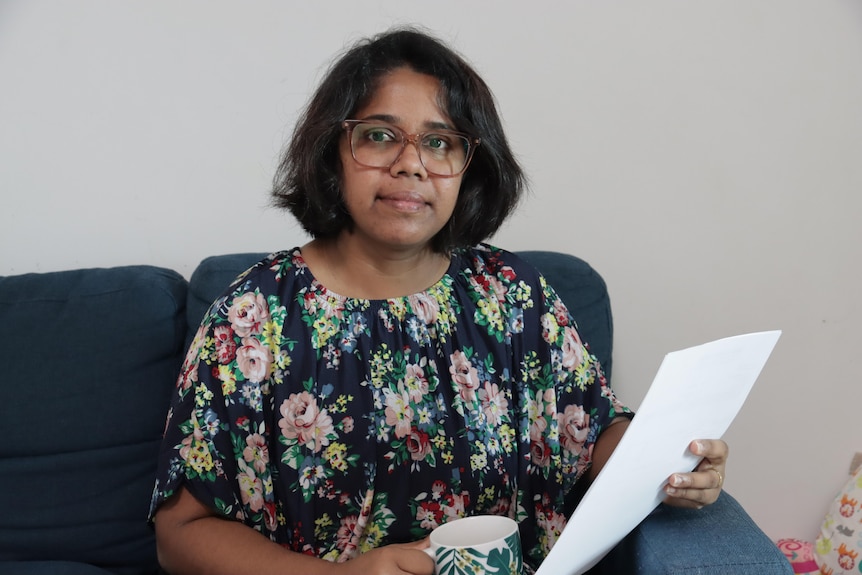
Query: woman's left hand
pixel 703 485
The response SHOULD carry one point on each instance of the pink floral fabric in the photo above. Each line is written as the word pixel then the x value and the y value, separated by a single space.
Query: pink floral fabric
pixel 335 425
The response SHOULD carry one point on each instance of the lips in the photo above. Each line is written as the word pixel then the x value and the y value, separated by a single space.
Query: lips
pixel 404 201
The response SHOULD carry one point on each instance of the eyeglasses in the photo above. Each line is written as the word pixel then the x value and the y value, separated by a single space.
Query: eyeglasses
pixel 443 153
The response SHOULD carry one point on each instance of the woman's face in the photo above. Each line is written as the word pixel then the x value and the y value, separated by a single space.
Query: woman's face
pixel 401 207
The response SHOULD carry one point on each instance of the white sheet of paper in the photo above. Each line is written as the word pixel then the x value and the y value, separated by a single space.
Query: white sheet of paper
pixel 695 395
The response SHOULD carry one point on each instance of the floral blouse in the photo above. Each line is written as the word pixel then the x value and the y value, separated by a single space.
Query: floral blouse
pixel 334 425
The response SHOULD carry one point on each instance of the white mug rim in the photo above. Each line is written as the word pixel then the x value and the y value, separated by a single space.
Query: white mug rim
pixel 450 534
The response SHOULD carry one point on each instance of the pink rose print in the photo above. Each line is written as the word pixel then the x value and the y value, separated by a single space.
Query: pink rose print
pixel 560 313
pixel 347 424
pixel 399 414
pixel 248 313
pixel 455 505
pixel 540 452
pixel 415 382
pixel 494 403
pixel 347 536
pixel 418 444
pixel 189 376
pixel 573 350
pixel 425 307
pixel 464 375
pixel 254 360
pixel 304 421
pixel 574 427
pixel 256 452
pixel 498 288
pixel 429 514
pixel 250 487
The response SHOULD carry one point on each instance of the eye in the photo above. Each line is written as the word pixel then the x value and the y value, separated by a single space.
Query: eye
pixel 437 142
pixel 377 134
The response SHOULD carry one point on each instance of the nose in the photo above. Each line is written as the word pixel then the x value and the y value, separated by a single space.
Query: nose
pixel 408 161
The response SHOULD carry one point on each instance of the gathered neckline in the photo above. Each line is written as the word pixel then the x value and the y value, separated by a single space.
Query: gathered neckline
pixel 320 287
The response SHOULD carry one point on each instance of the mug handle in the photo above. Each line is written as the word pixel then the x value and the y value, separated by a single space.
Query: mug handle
pixel 431 552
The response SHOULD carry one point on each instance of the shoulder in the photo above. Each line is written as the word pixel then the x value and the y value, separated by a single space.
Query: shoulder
pixel 224 280
pixel 488 260
pixel 268 271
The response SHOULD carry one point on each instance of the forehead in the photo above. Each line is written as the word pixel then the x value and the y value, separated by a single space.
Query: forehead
pixel 406 95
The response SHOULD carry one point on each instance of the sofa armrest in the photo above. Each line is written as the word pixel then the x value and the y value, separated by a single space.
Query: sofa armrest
pixel 717 540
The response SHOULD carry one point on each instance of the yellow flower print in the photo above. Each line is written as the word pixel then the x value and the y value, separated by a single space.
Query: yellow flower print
pixel 202 395
pixel 371 538
pixel 272 335
pixel 584 375
pixel 507 437
pixel 523 294
pixel 479 459
pixel 494 316
pixel 324 329
pixel 199 457
pixel 398 308
pixel 550 327
pixel 335 454
pixel 340 405
pixel 447 457
pixel 228 381
pixel 321 524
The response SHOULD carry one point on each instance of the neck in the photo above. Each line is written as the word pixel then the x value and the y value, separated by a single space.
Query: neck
pixel 353 269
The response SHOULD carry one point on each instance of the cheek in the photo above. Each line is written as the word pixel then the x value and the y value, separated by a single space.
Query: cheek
pixel 449 190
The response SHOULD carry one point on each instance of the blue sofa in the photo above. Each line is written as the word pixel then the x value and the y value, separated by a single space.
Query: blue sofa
pixel 89 359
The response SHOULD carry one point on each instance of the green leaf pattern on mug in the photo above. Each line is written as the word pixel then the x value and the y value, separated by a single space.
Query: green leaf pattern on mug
pixel 469 561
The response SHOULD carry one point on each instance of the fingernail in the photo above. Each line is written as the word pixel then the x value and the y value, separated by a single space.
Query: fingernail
pixel 698 447
pixel 675 480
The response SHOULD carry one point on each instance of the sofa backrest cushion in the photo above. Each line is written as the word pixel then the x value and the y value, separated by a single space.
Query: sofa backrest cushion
pixel 579 285
pixel 89 359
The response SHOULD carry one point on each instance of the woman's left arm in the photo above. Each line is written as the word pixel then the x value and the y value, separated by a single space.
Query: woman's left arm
pixel 692 490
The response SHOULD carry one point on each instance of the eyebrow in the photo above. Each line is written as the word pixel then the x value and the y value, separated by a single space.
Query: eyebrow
pixel 390 119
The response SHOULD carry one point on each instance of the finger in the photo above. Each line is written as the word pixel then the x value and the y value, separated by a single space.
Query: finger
pixel 416 561
pixel 715 450
pixel 683 503
pixel 420 544
pixel 695 489
pixel 704 479
pixel 692 498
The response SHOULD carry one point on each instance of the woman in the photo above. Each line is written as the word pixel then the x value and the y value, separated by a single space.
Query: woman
pixel 342 399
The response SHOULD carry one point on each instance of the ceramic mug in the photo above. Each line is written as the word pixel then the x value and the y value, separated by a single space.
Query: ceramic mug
pixel 487 544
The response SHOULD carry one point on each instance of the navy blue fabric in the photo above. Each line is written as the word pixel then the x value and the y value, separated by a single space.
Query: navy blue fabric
pixel 89 357
pixel 212 276
pixel 586 295
pixel 579 285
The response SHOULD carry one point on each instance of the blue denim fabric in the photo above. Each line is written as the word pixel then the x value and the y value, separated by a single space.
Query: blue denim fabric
pixel 720 539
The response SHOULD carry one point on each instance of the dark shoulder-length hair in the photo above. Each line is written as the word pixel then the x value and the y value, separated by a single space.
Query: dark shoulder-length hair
pixel 308 179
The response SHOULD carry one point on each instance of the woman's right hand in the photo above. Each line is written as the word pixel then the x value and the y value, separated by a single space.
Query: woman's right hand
pixel 192 539
pixel 395 559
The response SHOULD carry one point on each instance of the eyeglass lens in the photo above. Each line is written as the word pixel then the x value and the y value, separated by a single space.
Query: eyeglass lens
pixel 378 145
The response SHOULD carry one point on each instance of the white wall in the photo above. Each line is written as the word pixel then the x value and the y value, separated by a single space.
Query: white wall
pixel 705 156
